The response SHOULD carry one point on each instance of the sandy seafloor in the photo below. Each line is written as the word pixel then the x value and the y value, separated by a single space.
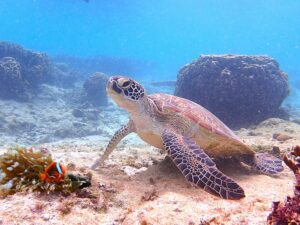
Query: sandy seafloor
pixel 138 186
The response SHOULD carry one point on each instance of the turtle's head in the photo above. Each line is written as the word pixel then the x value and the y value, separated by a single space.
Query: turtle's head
pixel 126 92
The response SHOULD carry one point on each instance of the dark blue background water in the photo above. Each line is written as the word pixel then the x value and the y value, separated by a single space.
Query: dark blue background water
pixel 167 33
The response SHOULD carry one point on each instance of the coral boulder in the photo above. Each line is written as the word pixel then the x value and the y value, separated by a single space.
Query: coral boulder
pixel 240 90
pixel 21 71
pixel 12 84
pixel 95 89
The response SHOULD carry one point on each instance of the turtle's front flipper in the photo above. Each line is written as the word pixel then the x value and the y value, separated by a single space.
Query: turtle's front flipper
pixel 267 164
pixel 198 168
pixel 118 136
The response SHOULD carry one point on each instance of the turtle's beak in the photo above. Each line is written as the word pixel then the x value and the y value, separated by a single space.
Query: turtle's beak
pixel 112 87
pixel 115 92
pixel 109 86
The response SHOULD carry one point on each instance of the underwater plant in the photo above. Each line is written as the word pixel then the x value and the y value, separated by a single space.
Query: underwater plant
pixel 24 169
pixel 289 213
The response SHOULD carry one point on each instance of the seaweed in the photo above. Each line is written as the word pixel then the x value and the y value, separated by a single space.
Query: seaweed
pixel 24 169
pixel 289 212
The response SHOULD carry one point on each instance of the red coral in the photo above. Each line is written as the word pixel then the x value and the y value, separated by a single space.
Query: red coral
pixel 289 213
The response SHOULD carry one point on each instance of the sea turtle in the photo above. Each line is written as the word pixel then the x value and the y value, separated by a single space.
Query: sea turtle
pixel 189 133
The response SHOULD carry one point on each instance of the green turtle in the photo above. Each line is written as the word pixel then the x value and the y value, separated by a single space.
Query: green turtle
pixel 191 135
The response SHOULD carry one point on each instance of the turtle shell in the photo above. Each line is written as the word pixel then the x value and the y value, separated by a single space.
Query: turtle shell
pixel 216 138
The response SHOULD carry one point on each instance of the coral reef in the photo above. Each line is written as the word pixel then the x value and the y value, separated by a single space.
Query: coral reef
pixel 240 90
pixel 289 213
pixel 24 169
pixel 12 84
pixel 35 66
pixel 21 71
pixel 52 115
pixel 95 89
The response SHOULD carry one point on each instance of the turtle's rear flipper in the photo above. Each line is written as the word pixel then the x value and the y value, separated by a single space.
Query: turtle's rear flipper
pixel 267 164
pixel 198 168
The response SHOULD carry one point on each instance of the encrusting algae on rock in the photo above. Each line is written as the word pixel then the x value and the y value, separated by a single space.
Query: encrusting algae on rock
pixel 24 169
pixel 289 213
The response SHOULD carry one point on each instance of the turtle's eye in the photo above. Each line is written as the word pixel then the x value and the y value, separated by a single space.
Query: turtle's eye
pixel 123 83
pixel 126 84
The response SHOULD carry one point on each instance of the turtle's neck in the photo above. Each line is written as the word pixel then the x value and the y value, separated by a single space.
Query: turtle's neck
pixel 143 107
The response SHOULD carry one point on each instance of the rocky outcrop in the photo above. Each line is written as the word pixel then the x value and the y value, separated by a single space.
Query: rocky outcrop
pixel 240 90
pixel 21 71
pixel 94 90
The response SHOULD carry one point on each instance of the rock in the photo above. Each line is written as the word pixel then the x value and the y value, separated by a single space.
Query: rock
pixel 76 129
pixel 79 124
pixel 63 133
pixel 78 113
pixel 92 114
pixel 149 195
pixel 88 114
pixel 240 90
pixel 271 123
pixel 281 137
pixel 252 133
pixel 21 71
pixel 130 171
pixel 95 89
pixel 291 131
pixel 296 121
pixel 46 217
pixel 71 166
pixel 276 151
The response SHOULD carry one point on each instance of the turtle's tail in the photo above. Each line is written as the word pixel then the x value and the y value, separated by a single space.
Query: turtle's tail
pixel 267 164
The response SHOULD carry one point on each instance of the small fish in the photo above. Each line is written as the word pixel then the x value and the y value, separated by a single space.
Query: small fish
pixel 55 172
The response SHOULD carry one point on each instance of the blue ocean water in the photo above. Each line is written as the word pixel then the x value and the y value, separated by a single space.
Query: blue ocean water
pixel 162 35
pixel 167 33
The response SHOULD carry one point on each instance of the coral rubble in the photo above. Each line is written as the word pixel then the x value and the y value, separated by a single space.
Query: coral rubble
pixel 24 169
pixel 289 213
pixel 240 90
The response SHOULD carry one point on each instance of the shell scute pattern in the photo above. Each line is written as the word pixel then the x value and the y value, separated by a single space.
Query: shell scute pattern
pixel 194 112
